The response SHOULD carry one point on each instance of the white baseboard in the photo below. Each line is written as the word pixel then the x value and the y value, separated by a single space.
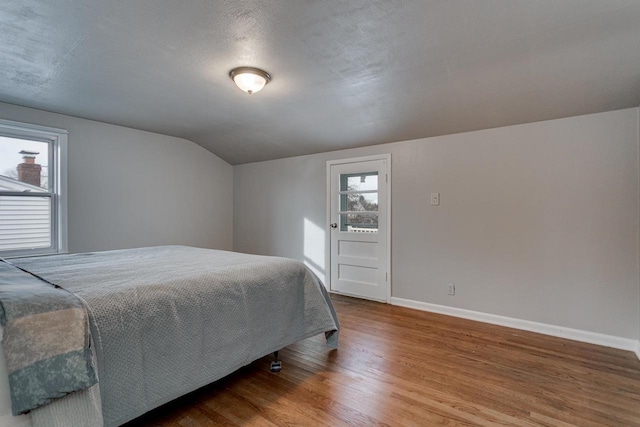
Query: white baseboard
pixel 526 325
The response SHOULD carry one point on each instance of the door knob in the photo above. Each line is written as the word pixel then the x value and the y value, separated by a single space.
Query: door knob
pixel 334 225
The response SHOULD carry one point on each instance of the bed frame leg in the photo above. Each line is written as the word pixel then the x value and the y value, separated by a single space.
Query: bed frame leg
pixel 276 365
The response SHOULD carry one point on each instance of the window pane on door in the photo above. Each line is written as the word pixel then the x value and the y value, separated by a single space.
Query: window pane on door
pixel 365 181
pixel 359 202
pixel 24 164
pixel 359 222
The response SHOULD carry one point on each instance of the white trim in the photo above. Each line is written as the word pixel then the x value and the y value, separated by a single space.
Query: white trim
pixel 21 126
pixel 327 220
pixel 638 349
pixel 388 180
pixel 526 325
pixel 356 296
pixel 63 237
pixel 330 163
pixel 386 156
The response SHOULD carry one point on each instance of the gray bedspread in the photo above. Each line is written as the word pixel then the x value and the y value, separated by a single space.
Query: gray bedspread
pixel 168 320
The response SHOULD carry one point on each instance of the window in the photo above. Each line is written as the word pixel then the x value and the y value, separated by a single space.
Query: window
pixel 32 189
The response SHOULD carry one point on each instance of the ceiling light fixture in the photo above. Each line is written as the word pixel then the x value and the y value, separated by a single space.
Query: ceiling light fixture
pixel 249 79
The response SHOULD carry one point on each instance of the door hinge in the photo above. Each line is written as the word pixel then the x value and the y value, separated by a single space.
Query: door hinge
pixel 386 177
pixel 386 277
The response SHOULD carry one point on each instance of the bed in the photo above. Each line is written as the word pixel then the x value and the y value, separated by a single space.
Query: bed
pixel 167 320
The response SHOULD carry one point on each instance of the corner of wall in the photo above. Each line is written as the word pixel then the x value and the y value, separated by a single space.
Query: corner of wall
pixel 638 228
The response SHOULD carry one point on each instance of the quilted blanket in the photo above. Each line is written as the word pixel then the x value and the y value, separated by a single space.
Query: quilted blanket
pixel 168 320
pixel 45 340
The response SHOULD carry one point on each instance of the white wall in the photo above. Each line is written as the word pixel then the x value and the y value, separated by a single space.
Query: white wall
pixel 536 222
pixel 130 188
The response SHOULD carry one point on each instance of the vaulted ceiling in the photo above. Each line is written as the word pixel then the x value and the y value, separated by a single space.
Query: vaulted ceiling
pixel 345 73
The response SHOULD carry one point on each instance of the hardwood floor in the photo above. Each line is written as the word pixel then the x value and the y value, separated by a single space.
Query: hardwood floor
pixel 398 366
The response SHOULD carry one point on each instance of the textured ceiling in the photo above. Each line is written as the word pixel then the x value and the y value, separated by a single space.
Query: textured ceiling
pixel 345 73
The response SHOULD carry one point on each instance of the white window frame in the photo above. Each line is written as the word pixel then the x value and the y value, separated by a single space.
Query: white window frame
pixel 57 140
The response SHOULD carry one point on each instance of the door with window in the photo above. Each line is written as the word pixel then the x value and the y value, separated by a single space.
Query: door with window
pixel 358 206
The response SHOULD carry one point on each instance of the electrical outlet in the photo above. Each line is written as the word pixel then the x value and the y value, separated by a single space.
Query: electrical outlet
pixel 451 289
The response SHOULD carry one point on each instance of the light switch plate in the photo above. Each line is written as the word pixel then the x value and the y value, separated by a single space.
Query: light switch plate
pixel 435 199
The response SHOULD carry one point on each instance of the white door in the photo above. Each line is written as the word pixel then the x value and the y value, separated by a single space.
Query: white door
pixel 358 225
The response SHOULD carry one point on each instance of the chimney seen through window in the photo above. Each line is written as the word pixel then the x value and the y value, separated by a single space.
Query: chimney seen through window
pixel 29 171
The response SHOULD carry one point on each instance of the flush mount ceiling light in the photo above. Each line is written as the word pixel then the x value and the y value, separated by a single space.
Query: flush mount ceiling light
pixel 249 79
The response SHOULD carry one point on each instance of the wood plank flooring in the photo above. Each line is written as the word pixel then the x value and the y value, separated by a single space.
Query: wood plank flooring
pixel 402 367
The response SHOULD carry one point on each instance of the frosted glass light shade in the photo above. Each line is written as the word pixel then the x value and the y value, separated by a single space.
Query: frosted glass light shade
pixel 250 80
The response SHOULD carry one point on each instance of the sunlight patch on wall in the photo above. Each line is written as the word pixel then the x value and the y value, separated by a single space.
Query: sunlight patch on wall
pixel 314 243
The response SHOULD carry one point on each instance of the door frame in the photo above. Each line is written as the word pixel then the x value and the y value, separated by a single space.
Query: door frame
pixel 330 163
